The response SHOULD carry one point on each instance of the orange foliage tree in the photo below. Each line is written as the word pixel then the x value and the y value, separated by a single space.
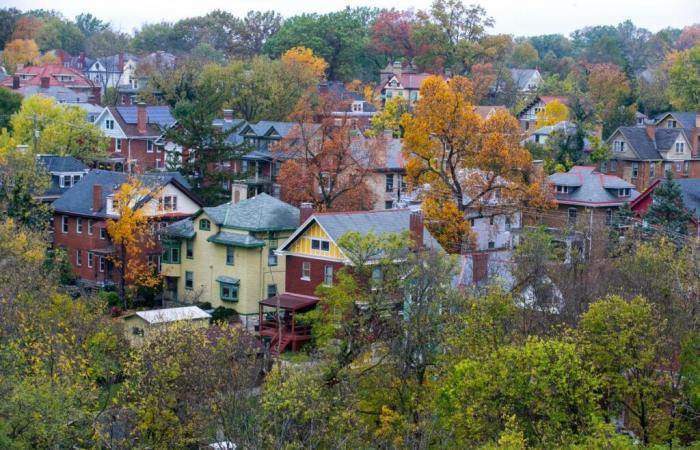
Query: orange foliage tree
pixel 608 86
pixel 20 51
pixel 467 163
pixel 302 60
pixel 325 163
pixel 131 235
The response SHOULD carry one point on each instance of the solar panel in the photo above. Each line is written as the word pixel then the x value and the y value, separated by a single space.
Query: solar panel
pixel 155 114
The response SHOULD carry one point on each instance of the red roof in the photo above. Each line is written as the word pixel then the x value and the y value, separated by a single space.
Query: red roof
pixel 550 98
pixel 293 302
pixel 32 75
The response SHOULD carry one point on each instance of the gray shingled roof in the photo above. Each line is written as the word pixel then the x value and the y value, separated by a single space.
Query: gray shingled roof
pixel 235 239
pixel 78 199
pixel 594 188
pixel 260 213
pixel 687 119
pixel 521 77
pixel 645 147
pixel 55 163
pixel 379 222
pixel 690 187
pixel 183 229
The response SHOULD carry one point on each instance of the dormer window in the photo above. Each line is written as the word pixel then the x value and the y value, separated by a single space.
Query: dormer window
pixel 619 146
pixel 357 106
pixel 562 189
pixel 625 192
pixel 680 147
pixel 109 124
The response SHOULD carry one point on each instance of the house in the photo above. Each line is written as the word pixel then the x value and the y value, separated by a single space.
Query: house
pixel 64 84
pixel 133 132
pixel 142 325
pixel 314 258
pixel 81 214
pixel 586 201
pixel 108 71
pixel 690 191
pixel 134 78
pixel 353 105
pixel 225 255
pixel 387 180
pixel 528 114
pixel 399 81
pixel 526 80
pixel 65 171
pixel 642 154
pixel 78 62
pixel 92 110
pixel 485 112
pixel 566 128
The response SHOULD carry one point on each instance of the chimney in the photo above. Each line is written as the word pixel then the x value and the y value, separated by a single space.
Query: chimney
pixel 96 95
pixel 81 58
pixel 323 87
pixel 228 115
pixel 120 62
pixel 141 117
pixel 695 136
pixel 480 267
pixel 15 82
pixel 415 226
pixel 651 129
pixel 306 210
pixel 45 81
pixel 239 192
pixel 96 197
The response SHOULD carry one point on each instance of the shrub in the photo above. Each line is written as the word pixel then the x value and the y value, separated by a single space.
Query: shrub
pixel 204 305
pixel 111 298
pixel 222 314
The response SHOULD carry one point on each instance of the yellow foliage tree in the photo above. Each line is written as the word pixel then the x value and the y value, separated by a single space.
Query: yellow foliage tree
pixel 20 51
pixel 131 235
pixel 304 60
pixel 470 164
pixel 553 113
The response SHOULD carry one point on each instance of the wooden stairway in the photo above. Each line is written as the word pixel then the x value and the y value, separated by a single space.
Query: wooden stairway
pixel 286 340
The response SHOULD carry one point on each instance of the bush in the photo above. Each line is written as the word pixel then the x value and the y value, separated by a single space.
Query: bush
pixel 203 305
pixel 110 297
pixel 222 314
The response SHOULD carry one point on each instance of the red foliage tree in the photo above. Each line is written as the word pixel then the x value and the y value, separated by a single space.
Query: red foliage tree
pixel 392 35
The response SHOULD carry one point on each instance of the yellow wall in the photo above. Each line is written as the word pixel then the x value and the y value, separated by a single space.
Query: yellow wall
pixel 302 245
pixel 209 262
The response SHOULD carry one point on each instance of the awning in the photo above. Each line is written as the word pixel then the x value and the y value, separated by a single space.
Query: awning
pixel 103 251
pixel 237 240
pixel 292 302
pixel 228 280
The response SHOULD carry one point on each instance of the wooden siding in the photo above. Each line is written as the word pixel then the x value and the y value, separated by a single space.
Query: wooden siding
pixel 302 245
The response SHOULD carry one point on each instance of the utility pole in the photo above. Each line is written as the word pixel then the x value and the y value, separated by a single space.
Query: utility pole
pixel 35 134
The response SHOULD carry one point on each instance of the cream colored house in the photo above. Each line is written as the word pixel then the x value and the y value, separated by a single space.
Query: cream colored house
pixel 145 324
pixel 225 255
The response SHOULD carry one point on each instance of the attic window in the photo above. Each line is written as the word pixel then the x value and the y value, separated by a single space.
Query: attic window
pixel 619 146
pixel 672 124
pixel 319 244
pixel 626 192
pixel 109 124
pixel 562 189
pixel 680 147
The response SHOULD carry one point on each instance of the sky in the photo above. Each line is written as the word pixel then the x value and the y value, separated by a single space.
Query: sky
pixel 516 17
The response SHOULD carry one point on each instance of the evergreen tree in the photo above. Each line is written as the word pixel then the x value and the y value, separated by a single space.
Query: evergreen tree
pixel 619 227
pixel 668 212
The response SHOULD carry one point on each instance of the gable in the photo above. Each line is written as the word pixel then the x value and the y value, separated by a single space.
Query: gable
pixel 301 244
pixel 100 122
pixel 628 149
pixel 393 83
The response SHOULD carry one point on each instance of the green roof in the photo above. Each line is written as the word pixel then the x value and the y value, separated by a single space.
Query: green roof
pixel 260 213
pixel 237 240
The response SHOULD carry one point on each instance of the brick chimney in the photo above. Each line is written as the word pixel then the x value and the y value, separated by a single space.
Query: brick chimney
pixel 323 87
pixel 96 97
pixel 45 81
pixel 695 136
pixel 228 115
pixel 415 226
pixel 306 210
pixel 651 129
pixel 141 117
pixel 96 197
pixel 480 267
pixel 120 62
pixel 81 58
pixel 15 82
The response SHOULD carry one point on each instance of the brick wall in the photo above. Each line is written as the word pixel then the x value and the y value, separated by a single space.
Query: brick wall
pixel 293 282
pixel 145 160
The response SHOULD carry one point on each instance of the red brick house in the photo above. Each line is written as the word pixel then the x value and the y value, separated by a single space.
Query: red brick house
pixel 133 132
pixel 81 213
pixel 313 258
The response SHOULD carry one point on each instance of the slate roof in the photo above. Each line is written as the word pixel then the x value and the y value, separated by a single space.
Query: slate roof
pixel 78 199
pixel 412 80
pixel 235 239
pixel 522 76
pixel 687 119
pixel 337 89
pixel 260 213
pixel 391 158
pixel 690 187
pixel 591 188
pixel 55 163
pixel 173 314
pixel 183 229
pixel 61 94
pixel 644 146
pixel 486 111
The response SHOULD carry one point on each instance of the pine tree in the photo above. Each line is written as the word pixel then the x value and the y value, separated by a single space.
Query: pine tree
pixel 668 212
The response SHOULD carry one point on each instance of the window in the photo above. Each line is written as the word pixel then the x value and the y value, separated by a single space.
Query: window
pixel 64 224
pixel 149 146
pixel 491 220
pixel 388 204
pixel 66 181
pixel 102 263
pixel 118 145
pixel 89 260
pixel 390 182
pixel 229 292
pixel 680 147
pixel 572 216
pixel 492 245
pixel 189 280
pixel 171 252
pixel 158 164
pixel 109 124
pixel 679 166
pixel 652 170
pixel 686 167
pixel 78 258
pixel 319 244
pixel 562 189
pixel 635 170
pixel 271 290
pixel 76 178
pixel 103 233
pixel 671 124
pixel 204 224
pixel 608 216
pixel 168 203
pixel 619 146
pixel 79 225
pixel 230 255
pixel 613 165
pixel 190 249
pixel 271 255
pixel 668 167
pixel 403 184
pixel 377 277
pixel 508 223
pixel 604 167
pixel 306 271
pixel 626 192
pixel 328 275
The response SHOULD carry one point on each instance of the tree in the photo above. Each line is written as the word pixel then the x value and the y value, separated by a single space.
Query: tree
pixel 621 341
pixel 131 235
pixel 524 55
pixel 684 80
pixel 27 27
pixel 302 61
pixel 153 37
pixel 325 163
pixel 667 212
pixel 392 35
pixel 62 130
pixel 608 87
pixel 483 78
pixel 89 24
pixel 10 103
pixel 466 161
pixel 553 113
pixel 60 34
pixel 8 18
pixel 460 24
pixel 389 119
pixel 688 38
pixel 254 30
pixel 106 43
pixel 19 51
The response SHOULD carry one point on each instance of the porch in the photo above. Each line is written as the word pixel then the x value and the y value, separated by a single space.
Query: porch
pixel 277 321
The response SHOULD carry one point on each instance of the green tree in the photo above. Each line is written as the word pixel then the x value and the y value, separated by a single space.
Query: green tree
pixel 89 24
pixel 668 213
pixel 524 55
pixel 8 17
pixel 106 43
pixel 684 80
pixel 155 36
pixel 60 34
pixel 10 103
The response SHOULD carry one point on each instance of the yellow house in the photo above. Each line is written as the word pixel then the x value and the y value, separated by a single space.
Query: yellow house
pixel 144 324
pixel 225 255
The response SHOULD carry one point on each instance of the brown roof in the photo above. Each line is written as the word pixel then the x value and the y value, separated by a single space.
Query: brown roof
pixel 292 302
pixel 486 111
